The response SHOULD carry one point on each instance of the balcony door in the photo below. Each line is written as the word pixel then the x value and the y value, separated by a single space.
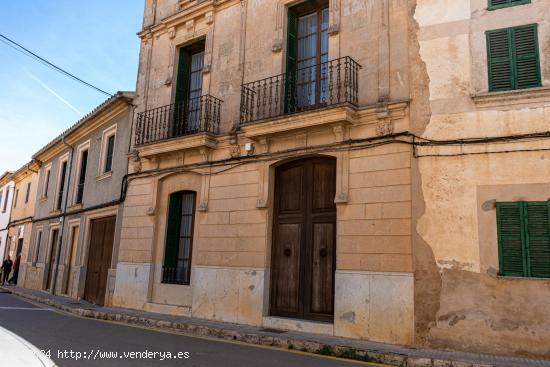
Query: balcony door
pixel 307 54
pixel 187 109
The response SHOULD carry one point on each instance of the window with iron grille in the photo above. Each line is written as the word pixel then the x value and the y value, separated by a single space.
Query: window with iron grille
pixel 499 4
pixel 179 238
pixel 513 58
pixel 524 239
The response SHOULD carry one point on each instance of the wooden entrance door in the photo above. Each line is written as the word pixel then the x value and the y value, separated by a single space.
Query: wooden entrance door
pixel 99 259
pixel 52 260
pixel 304 240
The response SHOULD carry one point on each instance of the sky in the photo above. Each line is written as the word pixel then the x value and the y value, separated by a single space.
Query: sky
pixel 94 40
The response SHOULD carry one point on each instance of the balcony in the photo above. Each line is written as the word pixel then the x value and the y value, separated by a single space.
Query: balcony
pixel 194 116
pixel 328 84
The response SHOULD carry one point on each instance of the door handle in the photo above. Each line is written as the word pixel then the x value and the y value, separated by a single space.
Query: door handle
pixel 323 252
pixel 287 251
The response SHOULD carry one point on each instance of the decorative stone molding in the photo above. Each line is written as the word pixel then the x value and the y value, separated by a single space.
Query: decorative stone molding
pixel 235 151
pixel 205 191
pixel 209 17
pixel 208 50
pixel 384 125
pixel 511 99
pixel 334 17
pixel 263 185
pixel 190 26
pixel 200 141
pixel 171 32
pixel 279 26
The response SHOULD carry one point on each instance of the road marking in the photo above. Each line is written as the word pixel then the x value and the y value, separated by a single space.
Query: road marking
pixel 213 339
pixel 25 308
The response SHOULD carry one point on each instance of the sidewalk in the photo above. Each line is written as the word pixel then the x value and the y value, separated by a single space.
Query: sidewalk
pixel 347 348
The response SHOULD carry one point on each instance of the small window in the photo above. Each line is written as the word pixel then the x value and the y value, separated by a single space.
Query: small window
pixel 28 192
pixel 513 58
pixel 179 238
pixel 46 183
pixel 524 239
pixel 61 190
pixel 15 198
pixel 109 154
pixel 499 4
pixel 6 199
pixel 81 176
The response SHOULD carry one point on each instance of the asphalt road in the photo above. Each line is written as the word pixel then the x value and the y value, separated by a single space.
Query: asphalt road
pixel 75 341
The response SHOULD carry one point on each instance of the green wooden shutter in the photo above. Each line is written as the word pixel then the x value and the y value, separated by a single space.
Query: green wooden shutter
pixel 497 4
pixel 513 58
pixel 291 56
pixel 499 60
pixel 511 239
pixel 173 230
pixel 538 238
pixel 526 56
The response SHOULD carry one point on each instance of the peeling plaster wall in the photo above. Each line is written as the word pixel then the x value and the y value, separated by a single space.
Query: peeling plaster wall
pixel 456 260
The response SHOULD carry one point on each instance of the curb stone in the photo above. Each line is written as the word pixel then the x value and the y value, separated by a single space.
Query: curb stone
pixel 278 341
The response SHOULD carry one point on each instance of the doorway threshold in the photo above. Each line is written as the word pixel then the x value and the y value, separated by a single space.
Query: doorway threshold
pixel 306 326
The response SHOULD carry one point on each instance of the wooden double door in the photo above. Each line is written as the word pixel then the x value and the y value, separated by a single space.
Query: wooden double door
pixel 304 240
pixel 102 232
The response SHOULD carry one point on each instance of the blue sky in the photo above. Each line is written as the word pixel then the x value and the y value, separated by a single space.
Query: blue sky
pixel 94 40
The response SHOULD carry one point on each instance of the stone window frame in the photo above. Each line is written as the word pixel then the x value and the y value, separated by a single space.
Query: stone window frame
pixel 62 159
pixel 105 135
pixel 46 183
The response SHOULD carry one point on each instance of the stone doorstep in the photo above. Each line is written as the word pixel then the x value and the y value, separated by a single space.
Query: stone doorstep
pixel 330 346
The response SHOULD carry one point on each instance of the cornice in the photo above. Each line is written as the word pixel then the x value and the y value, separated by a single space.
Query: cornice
pixel 190 11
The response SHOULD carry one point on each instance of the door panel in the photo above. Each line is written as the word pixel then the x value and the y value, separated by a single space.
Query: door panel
pixel 304 233
pixel 288 263
pixel 53 254
pixel 322 268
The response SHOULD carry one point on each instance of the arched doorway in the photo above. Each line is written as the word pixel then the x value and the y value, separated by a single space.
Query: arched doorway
pixel 304 240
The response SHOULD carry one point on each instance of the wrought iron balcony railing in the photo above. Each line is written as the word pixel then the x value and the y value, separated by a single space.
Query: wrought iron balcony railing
pixel 192 116
pixel 326 84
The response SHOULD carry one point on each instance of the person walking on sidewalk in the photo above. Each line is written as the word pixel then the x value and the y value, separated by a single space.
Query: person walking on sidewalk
pixel 6 270
pixel 16 263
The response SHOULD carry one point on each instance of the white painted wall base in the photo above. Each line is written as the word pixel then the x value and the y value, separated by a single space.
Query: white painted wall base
pixel 132 285
pixel 228 294
pixel 374 306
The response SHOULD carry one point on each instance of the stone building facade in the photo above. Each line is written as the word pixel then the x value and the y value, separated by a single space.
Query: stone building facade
pixel 74 242
pixel 267 184
pixel 25 181
pixel 369 169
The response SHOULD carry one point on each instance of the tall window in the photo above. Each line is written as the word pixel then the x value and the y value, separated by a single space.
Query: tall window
pixel 6 200
pixel 307 53
pixel 189 89
pixel 109 154
pixel 15 198
pixel 61 185
pixel 179 238
pixel 513 58
pixel 37 247
pixel 46 183
pixel 524 239
pixel 28 192
pixel 81 176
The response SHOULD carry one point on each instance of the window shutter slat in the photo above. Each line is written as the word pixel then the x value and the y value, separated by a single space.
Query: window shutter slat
pixel 538 238
pixel 526 56
pixel 497 4
pixel 510 239
pixel 499 58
